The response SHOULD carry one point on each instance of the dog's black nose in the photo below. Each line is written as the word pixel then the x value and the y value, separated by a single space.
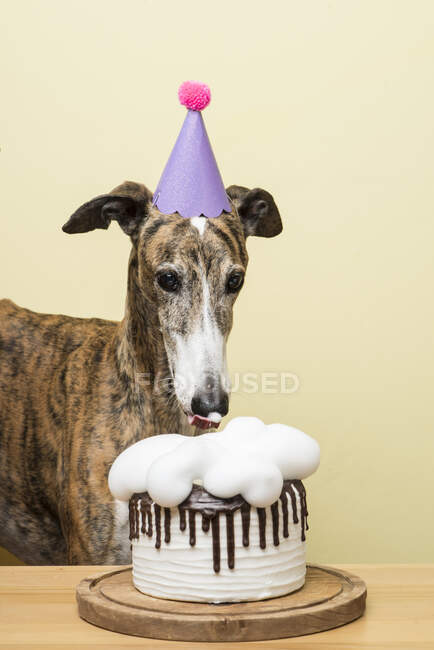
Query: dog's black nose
pixel 212 401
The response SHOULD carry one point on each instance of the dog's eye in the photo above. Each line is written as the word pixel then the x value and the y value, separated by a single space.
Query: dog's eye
pixel 235 282
pixel 169 281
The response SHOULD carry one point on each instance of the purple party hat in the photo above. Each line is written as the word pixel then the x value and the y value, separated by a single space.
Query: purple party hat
pixel 191 183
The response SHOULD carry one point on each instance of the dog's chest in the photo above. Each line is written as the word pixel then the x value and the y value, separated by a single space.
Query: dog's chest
pixel 122 544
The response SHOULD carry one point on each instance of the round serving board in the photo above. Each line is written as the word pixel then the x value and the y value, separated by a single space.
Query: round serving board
pixel 328 599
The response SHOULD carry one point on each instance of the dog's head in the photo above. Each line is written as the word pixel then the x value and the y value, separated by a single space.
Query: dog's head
pixel 190 272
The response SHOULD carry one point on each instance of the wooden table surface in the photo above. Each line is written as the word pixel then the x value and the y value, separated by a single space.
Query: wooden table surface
pixel 38 610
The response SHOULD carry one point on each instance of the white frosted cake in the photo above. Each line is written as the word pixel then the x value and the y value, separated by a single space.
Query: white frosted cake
pixel 221 517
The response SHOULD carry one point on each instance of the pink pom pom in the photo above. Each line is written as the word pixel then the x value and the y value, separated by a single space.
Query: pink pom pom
pixel 194 95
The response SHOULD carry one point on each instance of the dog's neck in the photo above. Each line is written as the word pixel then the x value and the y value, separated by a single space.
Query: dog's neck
pixel 142 364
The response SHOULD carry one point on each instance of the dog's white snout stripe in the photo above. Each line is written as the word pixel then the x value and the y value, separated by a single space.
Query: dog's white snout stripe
pixel 200 355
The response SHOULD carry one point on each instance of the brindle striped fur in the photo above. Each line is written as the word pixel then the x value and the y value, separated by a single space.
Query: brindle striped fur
pixel 76 392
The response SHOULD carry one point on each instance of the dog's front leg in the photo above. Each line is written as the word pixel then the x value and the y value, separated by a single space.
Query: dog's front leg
pixel 95 527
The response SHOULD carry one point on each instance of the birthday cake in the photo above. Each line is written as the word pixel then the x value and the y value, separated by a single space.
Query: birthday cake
pixel 221 517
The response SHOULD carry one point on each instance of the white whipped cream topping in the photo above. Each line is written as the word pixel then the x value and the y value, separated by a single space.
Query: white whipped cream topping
pixel 247 457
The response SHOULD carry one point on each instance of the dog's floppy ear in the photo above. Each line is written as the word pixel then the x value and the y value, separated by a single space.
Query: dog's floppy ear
pixel 257 209
pixel 127 204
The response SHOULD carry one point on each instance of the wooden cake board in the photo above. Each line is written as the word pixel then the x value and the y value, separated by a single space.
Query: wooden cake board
pixel 329 598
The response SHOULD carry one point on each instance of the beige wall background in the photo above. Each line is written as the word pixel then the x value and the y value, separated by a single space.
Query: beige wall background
pixel 328 105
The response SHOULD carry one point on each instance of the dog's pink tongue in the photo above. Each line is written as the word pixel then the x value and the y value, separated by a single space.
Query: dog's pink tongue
pixel 202 423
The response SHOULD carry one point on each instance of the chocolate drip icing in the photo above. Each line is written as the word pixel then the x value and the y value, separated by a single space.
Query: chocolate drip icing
pixel 136 520
pixel 157 512
pixel 230 538
pixel 293 503
pixel 145 506
pixel 202 501
pixel 245 522
pixel 182 521
pixel 167 518
pixel 215 527
pixel 210 508
pixel 262 518
pixel 275 522
pixel 192 526
pixel 134 517
pixel 284 501
pixel 303 508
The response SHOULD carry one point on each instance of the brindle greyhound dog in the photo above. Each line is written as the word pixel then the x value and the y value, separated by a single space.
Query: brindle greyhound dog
pixel 76 392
